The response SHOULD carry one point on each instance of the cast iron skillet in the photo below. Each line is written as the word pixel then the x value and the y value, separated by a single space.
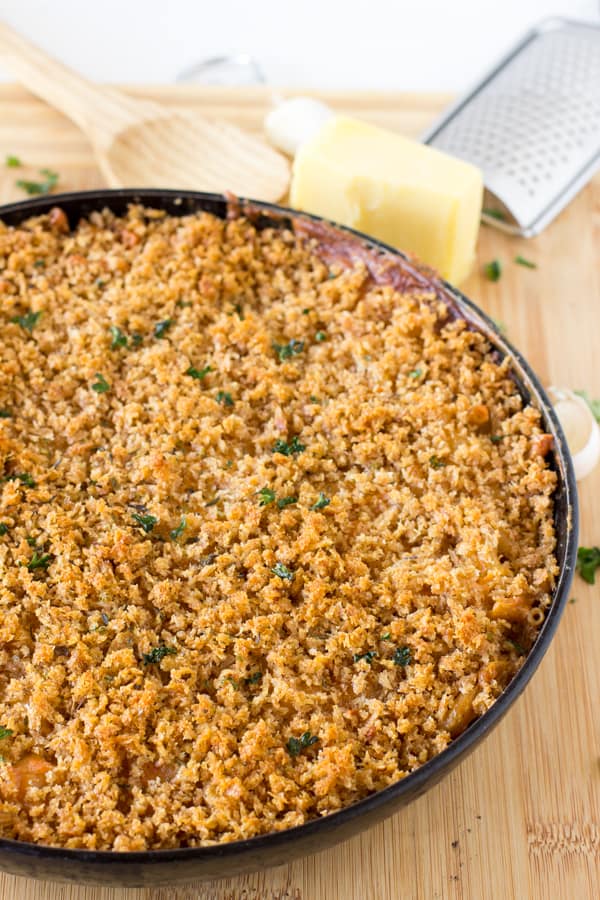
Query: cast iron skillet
pixel 174 866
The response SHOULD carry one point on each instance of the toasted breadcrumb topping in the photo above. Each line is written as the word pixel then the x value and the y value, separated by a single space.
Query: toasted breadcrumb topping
pixel 273 534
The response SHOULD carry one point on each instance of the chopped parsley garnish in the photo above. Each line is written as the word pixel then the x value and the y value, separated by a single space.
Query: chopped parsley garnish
pixel 282 571
pixel 12 162
pixel 39 561
pixel 496 438
pixel 40 187
pixel 320 336
pixel 521 261
pixel 3 529
pixel 573 600
pixel 177 532
pixel 239 311
pixel 28 321
pixel 321 502
pixel 402 656
pixel 289 449
pixel 436 463
pixel 266 496
pixel 118 339
pixel 213 502
pixel 254 678
pixel 136 339
pixel 415 373
pixel 285 351
pixel 101 385
pixel 594 405
pixel 369 656
pixel 161 328
pixel 588 560
pixel 518 647
pixel 40 264
pixel 295 746
pixel 5 732
pixel 314 399
pixel 24 477
pixel 387 636
pixel 157 654
pixel 493 270
pixel 225 398
pixel 147 522
pixel 199 374
pixel 494 213
pixel 286 501
pixel 306 311
pixel 5 414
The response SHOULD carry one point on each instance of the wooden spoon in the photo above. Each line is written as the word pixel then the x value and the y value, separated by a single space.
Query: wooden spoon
pixel 140 144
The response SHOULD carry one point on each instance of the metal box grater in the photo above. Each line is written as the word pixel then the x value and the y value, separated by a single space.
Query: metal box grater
pixel 532 125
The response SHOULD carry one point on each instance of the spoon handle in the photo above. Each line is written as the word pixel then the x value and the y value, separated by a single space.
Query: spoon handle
pixel 99 112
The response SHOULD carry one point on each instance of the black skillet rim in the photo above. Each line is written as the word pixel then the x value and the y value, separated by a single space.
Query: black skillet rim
pixel 180 203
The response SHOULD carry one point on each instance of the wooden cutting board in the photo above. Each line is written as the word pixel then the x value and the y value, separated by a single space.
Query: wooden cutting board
pixel 520 818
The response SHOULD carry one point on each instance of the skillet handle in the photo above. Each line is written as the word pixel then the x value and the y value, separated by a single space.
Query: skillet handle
pixel 99 112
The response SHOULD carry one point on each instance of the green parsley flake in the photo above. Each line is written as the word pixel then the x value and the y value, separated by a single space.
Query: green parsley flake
pixel 28 321
pixel 5 732
pixel 213 502
pixel 493 270
pixel 39 561
pixel 225 398
pixel 147 522
pixel 436 463
pixel 594 405
pixel 521 261
pixel 369 656
pixel 494 213
pixel 39 264
pixel 118 339
pixel 266 496
pixel 161 328
pixel 588 560
pixel 518 647
pixel 40 187
pixel 5 414
pixel 12 162
pixel 321 502
pixel 254 678
pixel 290 449
pixel 24 477
pixel 286 501
pixel 157 654
pixel 402 656
pixel 320 336
pixel 101 385
pixel 198 374
pixel 295 746
pixel 177 532
pixel 283 572
pixel 415 373
pixel 286 351
pixel 496 438
pixel 3 529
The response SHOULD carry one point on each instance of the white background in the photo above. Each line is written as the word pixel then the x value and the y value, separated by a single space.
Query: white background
pixel 382 44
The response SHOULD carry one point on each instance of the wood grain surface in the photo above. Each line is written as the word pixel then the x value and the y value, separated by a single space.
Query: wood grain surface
pixel 520 818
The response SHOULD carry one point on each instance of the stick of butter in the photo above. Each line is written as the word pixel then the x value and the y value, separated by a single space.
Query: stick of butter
pixel 404 193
